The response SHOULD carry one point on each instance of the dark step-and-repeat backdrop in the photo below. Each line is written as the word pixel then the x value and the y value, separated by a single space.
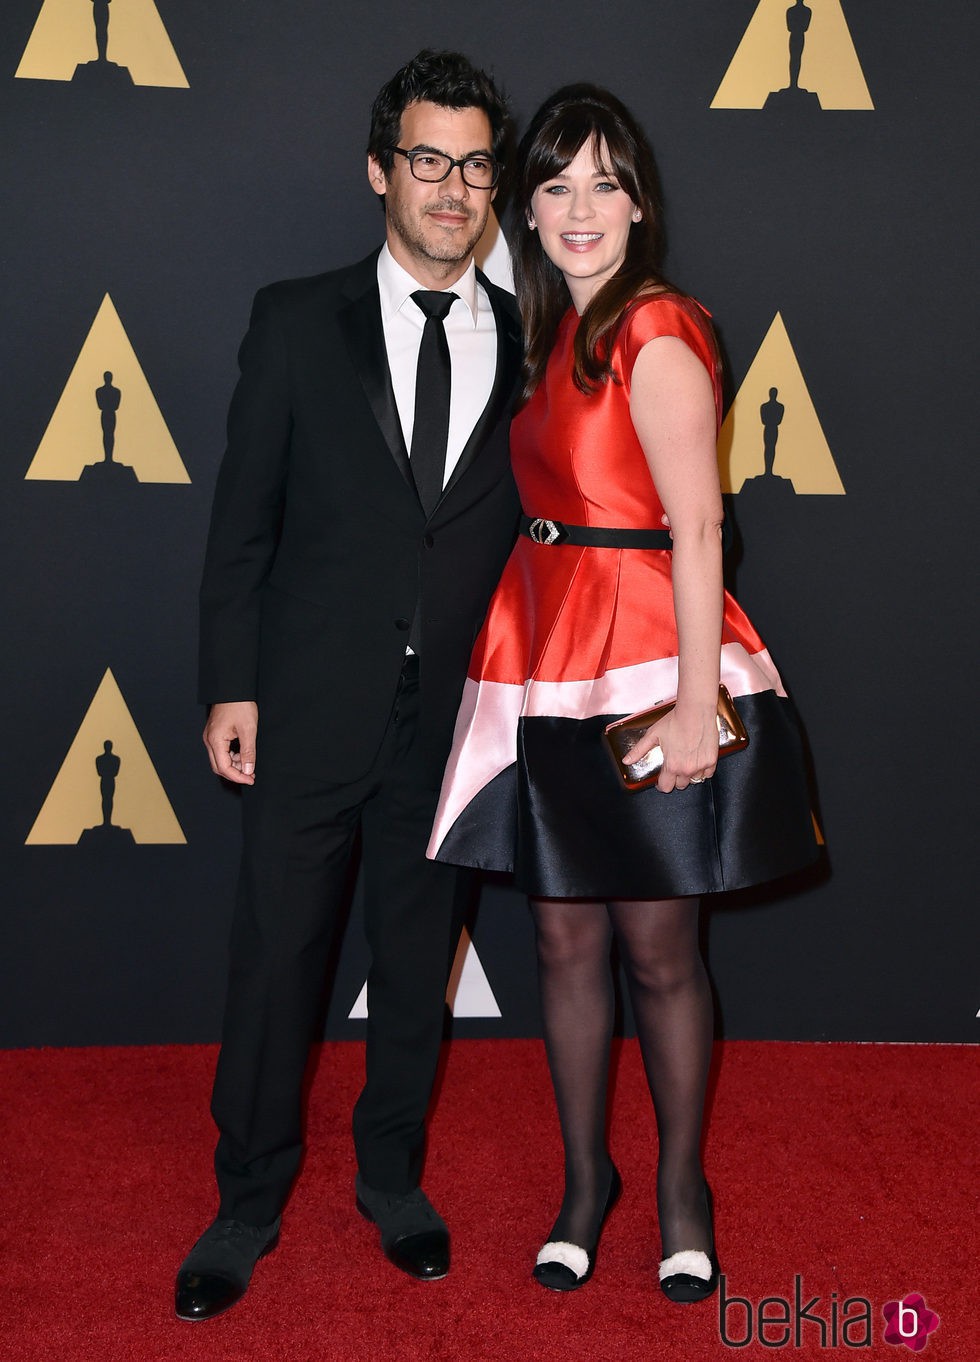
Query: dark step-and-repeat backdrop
pixel 161 159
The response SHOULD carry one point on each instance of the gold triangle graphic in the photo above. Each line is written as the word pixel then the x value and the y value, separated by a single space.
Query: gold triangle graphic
pixel 74 443
pixel 829 67
pixel 792 438
pixel 468 994
pixel 493 255
pixel 66 39
pixel 816 830
pixel 123 784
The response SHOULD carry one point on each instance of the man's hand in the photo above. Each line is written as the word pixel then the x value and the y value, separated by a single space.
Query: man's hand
pixel 232 722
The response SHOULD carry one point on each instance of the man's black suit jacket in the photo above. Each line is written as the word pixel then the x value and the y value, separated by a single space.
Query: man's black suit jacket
pixel 319 551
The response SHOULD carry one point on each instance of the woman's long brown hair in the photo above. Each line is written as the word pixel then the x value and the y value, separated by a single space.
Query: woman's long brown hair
pixel 573 117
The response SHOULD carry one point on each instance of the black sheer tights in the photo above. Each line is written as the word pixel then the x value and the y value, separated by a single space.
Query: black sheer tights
pixel 672 1006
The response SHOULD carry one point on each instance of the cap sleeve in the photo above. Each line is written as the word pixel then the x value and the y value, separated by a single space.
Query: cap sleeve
pixel 670 314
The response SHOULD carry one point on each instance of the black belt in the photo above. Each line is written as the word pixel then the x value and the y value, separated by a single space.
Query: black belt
pixel 593 536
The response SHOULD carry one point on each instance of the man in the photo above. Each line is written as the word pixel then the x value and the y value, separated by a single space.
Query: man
pixel 363 512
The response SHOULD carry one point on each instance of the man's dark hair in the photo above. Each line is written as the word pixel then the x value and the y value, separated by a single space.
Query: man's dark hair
pixel 444 78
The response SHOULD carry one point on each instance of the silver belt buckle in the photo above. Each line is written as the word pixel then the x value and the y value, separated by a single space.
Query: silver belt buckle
pixel 544 531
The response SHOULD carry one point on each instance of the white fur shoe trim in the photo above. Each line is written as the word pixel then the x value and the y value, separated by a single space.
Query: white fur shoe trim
pixel 571 1255
pixel 692 1261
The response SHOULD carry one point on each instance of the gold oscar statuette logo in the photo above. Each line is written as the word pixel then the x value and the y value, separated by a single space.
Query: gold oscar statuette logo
pixel 107 793
pixel 795 54
pixel 102 44
pixel 107 427
pixel 771 441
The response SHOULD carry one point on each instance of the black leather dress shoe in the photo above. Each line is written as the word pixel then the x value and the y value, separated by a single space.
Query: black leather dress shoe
pixel 413 1236
pixel 217 1271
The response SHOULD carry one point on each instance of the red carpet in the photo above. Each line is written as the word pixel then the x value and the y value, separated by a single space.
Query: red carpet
pixel 851 1167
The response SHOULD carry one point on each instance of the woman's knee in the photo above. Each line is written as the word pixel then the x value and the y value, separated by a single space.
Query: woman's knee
pixel 660 947
pixel 571 938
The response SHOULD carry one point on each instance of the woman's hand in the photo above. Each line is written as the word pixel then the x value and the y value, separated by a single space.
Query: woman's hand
pixel 688 738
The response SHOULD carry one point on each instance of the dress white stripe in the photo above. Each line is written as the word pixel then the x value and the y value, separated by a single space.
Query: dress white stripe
pixel 485 740
pixel 624 690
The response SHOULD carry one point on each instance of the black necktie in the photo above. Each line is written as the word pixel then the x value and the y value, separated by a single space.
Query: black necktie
pixel 433 383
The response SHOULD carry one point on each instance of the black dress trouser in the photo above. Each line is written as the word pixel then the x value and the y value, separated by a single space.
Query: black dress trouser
pixel 297 843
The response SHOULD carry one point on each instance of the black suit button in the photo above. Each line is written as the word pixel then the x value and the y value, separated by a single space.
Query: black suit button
pixel 401 624
pixel 428 541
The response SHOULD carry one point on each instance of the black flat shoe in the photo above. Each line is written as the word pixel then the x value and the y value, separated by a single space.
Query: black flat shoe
pixel 562 1266
pixel 691 1275
pixel 215 1274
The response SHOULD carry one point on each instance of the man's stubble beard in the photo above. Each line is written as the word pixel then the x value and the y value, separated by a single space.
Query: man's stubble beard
pixel 449 250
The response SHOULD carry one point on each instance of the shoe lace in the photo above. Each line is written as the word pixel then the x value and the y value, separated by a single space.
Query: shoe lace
pixel 414 1203
pixel 235 1232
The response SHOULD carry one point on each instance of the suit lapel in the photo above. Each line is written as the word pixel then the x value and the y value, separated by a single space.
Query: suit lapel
pixel 508 362
pixel 360 323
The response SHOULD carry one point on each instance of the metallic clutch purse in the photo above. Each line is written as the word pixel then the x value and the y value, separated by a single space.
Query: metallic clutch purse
pixel 622 736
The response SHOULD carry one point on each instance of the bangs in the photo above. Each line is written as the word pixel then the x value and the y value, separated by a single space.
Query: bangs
pixel 573 129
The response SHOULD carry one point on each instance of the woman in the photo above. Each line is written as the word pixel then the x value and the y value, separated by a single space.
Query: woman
pixel 599 615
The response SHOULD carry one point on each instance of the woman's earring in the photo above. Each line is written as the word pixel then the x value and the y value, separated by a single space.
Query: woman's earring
pixel 531 223
pixel 637 215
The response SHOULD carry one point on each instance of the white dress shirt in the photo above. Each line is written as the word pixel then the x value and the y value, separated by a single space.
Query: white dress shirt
pixel 472 335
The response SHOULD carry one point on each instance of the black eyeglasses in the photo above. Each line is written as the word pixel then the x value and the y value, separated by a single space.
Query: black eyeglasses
pixel 432 167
